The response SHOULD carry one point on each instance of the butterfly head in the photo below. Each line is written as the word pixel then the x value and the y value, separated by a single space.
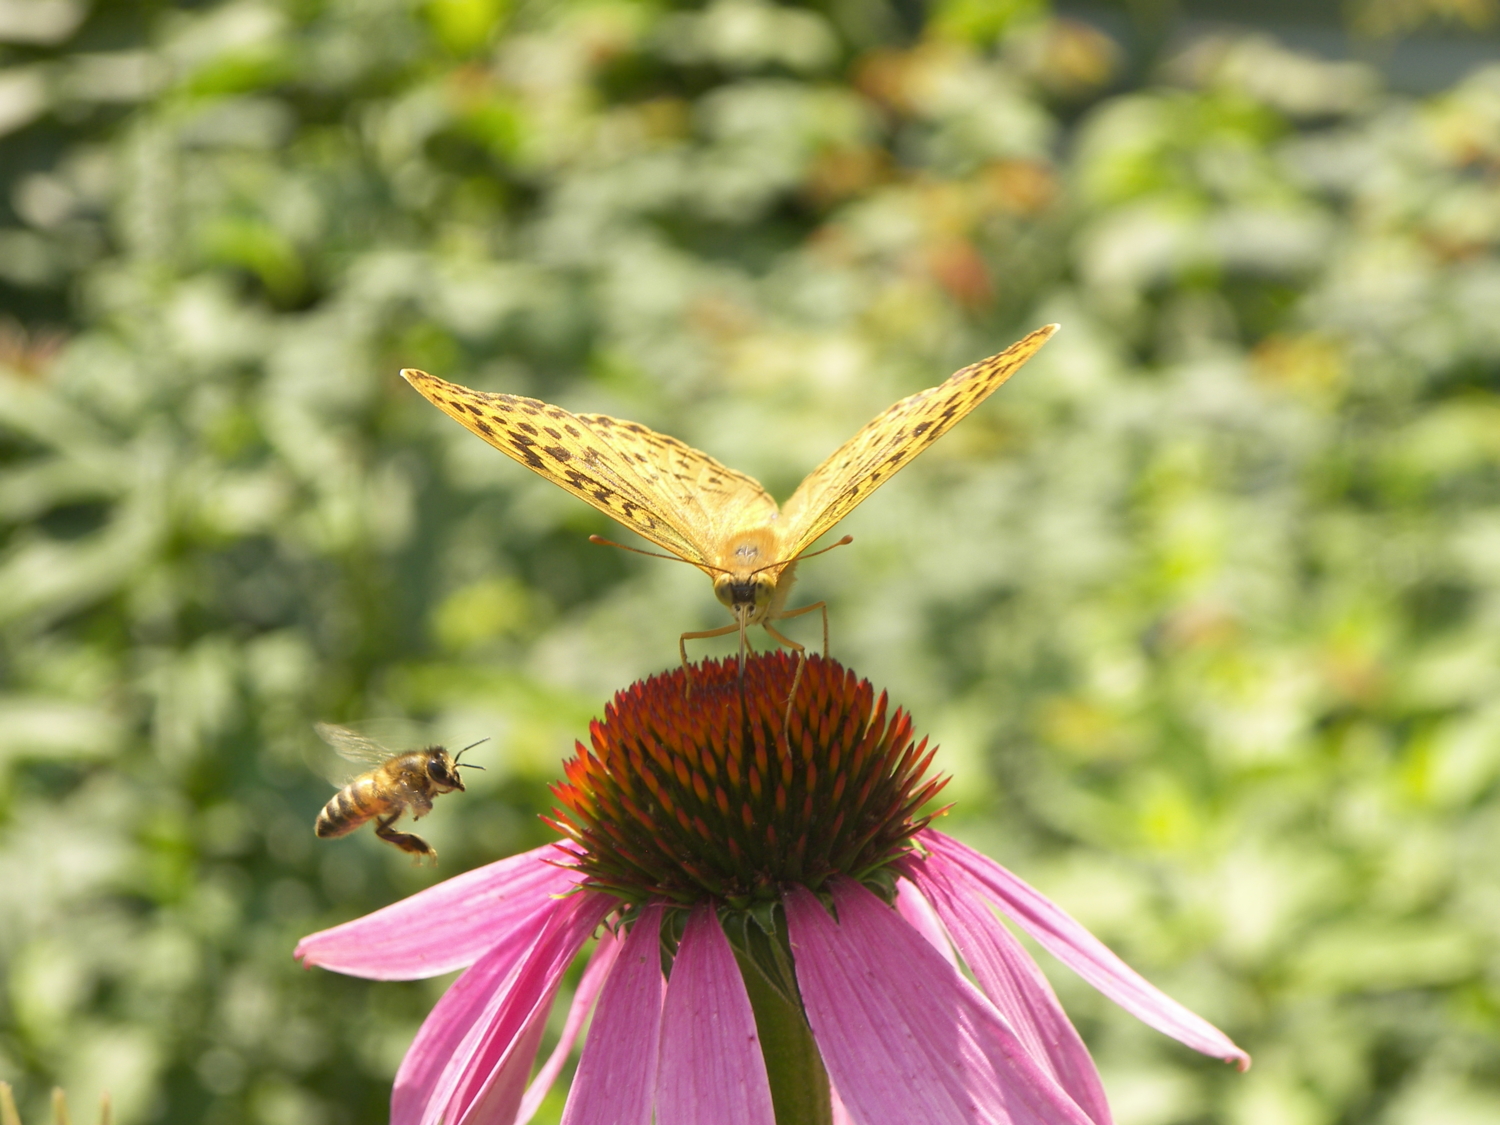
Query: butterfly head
pixel 747 595
pixel 748 574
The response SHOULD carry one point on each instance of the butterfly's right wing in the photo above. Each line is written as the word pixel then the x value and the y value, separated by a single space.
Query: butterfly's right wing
pixel 659 487
pixel 891 440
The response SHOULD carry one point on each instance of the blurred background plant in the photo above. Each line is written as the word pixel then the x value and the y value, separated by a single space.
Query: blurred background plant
pixel 1203 607
pixel 10 1115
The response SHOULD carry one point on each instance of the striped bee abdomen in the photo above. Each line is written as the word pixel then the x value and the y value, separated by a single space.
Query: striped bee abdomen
pixel 350 807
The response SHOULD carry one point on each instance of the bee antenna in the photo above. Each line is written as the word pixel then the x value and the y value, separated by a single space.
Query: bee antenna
pixel 603 542
pixel 465 750
pixel 844 542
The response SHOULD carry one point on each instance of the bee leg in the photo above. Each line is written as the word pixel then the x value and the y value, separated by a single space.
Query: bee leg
pixel 408 842
pixel 682 650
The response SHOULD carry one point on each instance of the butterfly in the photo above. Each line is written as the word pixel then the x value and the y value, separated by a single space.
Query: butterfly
pixel 707 514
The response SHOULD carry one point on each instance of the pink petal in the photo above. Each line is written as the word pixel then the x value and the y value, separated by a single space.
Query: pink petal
pixel 1082 952
pixel 491 1085
pixel 711 1072
pixel 454 1016
pixel 1014 984
pixel 921 917
pixel 445 927
pixel 840 1115
pixel 588 988
pixel 484 1075
pixel 904 1036
pixel 616 1077
pixel 498 1100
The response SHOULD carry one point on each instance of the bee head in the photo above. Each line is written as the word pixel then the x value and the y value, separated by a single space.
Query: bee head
pixel 444 769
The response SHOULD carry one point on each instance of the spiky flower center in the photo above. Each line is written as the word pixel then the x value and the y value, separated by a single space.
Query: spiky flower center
pixel 708 792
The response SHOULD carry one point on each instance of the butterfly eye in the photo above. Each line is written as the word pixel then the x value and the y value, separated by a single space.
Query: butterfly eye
pixel 765 588
pixel 724 588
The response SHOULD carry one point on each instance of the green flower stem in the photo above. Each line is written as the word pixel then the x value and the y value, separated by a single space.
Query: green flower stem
pixel 799 1084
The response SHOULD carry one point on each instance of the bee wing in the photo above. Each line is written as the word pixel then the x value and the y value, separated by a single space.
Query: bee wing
pixel 352 746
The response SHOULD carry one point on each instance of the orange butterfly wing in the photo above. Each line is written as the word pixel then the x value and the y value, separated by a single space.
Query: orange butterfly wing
pixel 674 495
pixel 890 441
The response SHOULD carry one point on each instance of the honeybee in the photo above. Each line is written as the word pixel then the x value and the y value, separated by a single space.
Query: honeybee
pixel 399 781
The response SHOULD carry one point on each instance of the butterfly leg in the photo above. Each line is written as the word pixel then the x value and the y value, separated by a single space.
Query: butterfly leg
pixel 808 609
pixel 705 635
pixel 406 841
pixel 786 725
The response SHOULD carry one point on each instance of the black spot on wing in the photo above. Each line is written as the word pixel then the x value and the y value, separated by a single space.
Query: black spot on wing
pixel 523 445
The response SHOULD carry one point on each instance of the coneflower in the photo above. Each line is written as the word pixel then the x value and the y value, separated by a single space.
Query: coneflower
pixel 779 934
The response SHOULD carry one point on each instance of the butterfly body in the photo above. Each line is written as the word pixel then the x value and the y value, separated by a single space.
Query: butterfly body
pixel 704 512
pixel 751 576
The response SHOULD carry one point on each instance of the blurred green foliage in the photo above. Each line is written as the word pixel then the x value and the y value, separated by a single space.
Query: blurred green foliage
pixel 1203 607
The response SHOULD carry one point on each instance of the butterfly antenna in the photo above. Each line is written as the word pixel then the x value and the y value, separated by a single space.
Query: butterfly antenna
pixel 603 542
pixel 844 542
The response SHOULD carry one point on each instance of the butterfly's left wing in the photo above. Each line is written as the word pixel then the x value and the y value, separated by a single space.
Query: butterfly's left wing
pixel 703 493
pixel 659 487
pixel 890 441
